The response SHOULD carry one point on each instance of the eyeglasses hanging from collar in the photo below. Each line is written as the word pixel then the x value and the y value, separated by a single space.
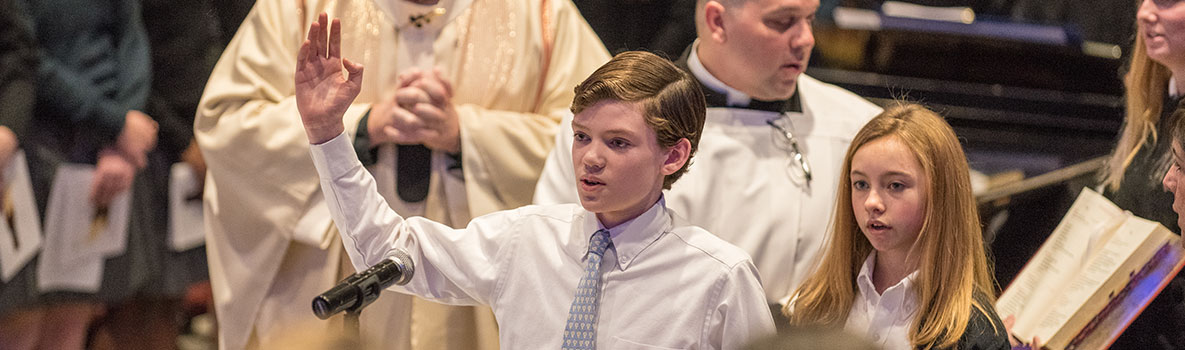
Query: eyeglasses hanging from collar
pixel 799 169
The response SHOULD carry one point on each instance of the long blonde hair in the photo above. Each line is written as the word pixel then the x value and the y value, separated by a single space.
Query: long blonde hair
pixel 1146 83
pixel 953 263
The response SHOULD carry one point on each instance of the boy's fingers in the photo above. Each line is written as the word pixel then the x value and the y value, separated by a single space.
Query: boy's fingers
pixel 303 53
pixel 323 24
pixel 355 70
pixel 335 39
pixel 312 37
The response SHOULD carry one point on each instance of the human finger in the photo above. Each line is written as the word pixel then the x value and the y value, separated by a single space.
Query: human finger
pixel 335 39
pixel 408 77
pixel 314 30
pixel 355 70
pixel 435 90
pixel 405 120
pixel 323 25
pixel 431 115
pixel 448 85
pixel 409 96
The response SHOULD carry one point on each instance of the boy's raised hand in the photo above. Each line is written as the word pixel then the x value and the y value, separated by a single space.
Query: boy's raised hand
pixel 323 92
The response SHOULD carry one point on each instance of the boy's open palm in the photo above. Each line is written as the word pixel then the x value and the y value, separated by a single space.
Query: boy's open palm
pixel 323 91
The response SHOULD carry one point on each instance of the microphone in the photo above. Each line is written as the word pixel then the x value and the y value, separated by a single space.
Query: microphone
pixel 361 289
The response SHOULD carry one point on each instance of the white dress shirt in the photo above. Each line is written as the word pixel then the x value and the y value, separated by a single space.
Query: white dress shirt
pixel 738 185
pixel 665 284
pixel 884 318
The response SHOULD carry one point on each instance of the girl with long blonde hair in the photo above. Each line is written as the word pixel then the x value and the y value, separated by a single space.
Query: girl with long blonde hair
pixel 1154 85
pixel 905 262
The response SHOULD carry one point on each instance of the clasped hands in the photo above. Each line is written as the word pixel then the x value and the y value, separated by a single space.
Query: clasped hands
pixel 419 112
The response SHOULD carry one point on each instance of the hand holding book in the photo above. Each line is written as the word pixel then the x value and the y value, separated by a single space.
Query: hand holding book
pixel 1098 269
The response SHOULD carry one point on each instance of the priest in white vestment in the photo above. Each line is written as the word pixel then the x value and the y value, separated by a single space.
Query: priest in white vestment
pixel 511 66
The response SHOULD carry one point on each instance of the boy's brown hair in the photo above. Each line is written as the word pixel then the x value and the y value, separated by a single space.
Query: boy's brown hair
pixel 672 103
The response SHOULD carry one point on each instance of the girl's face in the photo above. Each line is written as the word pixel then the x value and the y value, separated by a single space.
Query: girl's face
pixel 1174 181
pixel 888 195
pixel 1162 23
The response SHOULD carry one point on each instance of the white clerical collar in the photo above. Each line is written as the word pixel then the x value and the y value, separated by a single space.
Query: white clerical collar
pixel 1173 87
pixel 733 96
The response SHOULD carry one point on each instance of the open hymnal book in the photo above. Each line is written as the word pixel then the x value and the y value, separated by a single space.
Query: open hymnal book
pixel 1094 274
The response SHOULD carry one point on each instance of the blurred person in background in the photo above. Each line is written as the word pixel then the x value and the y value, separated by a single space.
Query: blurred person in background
pixel 1154 85
pixel 186 40
pixel 19 317
pixel 92 82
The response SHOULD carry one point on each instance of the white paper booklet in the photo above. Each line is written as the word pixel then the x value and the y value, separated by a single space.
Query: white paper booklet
pixel 78 236
pixel 20 222
pixel 186 230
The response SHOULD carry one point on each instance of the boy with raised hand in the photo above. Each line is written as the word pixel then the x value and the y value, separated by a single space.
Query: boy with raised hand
pixel 619 270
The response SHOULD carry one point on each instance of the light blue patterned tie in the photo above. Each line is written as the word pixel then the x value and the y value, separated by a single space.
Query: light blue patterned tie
pixel 581 331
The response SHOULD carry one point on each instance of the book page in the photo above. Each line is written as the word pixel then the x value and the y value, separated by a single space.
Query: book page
pixel 20 222
pixel 1110 258
pixel 186 229
pixel 1060 258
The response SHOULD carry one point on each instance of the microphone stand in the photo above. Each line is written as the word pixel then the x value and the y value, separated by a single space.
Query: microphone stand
pixel 359 290
pixel 353 330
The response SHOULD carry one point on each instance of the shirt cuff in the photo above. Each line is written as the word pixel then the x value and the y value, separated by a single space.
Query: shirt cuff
pixel 334 158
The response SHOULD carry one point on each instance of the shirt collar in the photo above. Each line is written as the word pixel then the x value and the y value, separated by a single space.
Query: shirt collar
pixel 900 294
pixel 629 238
pixel 733 97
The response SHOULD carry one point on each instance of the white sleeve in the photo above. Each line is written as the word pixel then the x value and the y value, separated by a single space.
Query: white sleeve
pixel 741 314
pixel 557 184
pixel 453 266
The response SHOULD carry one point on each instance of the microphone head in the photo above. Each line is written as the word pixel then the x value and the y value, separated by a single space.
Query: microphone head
pixel 321 308
pixel 406 266
pixel 337 299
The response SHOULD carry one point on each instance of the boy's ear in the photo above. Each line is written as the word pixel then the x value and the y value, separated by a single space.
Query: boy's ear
pixel 677 155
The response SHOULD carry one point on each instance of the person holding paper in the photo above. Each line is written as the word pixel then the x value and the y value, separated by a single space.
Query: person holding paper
pixel 18 319
pixel 619 270
pixel 91 83
pixel 905 263
pixel 1155 84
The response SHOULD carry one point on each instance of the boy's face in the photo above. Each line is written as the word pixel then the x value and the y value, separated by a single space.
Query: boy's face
pixel 619 165
pixel 1175 183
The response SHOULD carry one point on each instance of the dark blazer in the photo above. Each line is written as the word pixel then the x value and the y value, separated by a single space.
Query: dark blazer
pixel 980 334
